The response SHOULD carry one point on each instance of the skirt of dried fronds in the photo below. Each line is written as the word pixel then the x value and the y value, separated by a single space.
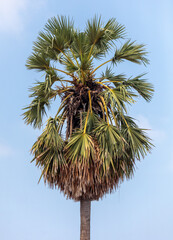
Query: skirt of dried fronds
pixel 83 181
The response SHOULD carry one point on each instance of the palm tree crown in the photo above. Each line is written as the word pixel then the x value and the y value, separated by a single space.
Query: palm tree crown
pixel 102 143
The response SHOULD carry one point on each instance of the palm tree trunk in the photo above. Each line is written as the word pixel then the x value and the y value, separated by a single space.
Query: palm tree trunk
pixel 85 210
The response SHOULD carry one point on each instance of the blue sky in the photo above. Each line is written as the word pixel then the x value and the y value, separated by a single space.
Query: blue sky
pixel 142 207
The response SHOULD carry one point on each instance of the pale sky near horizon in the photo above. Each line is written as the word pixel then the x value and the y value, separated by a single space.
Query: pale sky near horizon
pixel 142 208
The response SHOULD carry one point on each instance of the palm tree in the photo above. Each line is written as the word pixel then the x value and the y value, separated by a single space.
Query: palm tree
pixel 101 142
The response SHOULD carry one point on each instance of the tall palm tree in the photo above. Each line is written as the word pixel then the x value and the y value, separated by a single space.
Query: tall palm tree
pixel 101 143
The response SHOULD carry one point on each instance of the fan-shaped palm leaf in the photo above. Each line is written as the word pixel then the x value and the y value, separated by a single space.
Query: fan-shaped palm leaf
pixel 48 150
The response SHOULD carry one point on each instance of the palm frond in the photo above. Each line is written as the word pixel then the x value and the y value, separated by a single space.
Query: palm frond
pixel 139 142
pixel 48 150
pixel 63 29
pixel 101 37
pixel 80 147
pixel 132 52
pixel 114 30
pixel 35 111
pixel 109 75
pixel 109 139
pixel 38 61
pixel 43 45
pixel 144 88
pixel 123 94
pixel 42 93
pixel 56 38
pixel 44 89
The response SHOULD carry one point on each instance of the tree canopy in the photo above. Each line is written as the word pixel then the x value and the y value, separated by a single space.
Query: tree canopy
pixel 102 142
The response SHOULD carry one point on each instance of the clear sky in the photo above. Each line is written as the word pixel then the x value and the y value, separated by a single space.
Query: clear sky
pixel 142 208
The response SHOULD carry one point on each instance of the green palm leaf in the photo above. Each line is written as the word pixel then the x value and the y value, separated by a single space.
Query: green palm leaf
pixel 37 61
pixel 35 111
pixel 109 140
pixel 144 88
pixel 80 148
pixel 109 75
pixel 48 150
pixel 138 141
pixel 42 93
pixel 101 37
pixel 132 52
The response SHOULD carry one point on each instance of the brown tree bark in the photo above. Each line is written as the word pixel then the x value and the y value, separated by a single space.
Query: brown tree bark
pixel 85 210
